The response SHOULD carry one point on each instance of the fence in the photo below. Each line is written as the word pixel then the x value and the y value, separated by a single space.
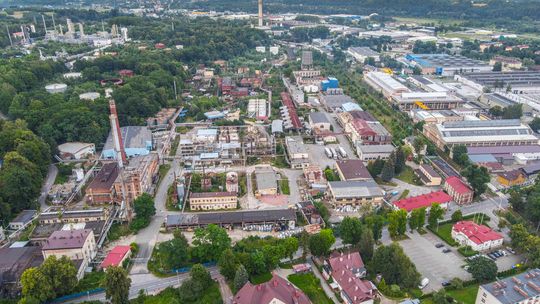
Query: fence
pixel 76 295
pixel 188 268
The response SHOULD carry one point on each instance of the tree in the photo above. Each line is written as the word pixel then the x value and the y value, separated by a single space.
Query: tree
pixel 397 222
pixel 496 111
pixel 303 241
pixel 144 210
pixel 193 288
pixel 459 155
pixel 241 277
pixel 400 160
pixel 519 234
pixel 35 285
pixel 350 230
pixel 320 243
pixel 366 244
pixel 375 223
pixel 117 284
pixel 388 170
pixel 210 242
pixel 441 297
pixel 418 144
pixel 227 264
pixel 395 267
pixel 61 273
pixel 483 269
pixel 513 112
pixel 290 245
pixel 535 124
pixel 435 214
pixel 375 167
pixel 173 254
pixel 478 177
pixel 417 219
pixel 457 216
pixel 497 67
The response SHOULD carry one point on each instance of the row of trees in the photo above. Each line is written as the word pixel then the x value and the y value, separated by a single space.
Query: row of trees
pixel 391 167
pixel 398 219
pixel 477 176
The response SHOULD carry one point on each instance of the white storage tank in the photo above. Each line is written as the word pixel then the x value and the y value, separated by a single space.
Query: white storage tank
pixel 56 88
pixel 89 96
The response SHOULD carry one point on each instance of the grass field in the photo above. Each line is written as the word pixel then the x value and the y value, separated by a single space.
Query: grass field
pixel 117 231
pixel 311 286
pixel 467 295
pixel 90 281
pixel 408 176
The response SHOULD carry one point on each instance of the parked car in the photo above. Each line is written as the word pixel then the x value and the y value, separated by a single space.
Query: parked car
pixel 446 250
pixel 439 245
pixel 492 256
pixel 445 283
pixel 510 250
pixel 423 283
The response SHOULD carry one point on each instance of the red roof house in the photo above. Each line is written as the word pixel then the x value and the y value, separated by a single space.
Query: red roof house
pixel 277 290
pixel 479 237
pixel 116 257
pixel 423 201
pixel 346 272
pixel 460 191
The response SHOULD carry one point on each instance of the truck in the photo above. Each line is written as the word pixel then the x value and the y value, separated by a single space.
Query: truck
pixel 334 153
pixel 342 152
pixel 328 152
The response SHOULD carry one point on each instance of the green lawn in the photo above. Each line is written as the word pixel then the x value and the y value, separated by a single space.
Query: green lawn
pixel 170 295
pixel 118 230
pixel 408 176
pixel 261 278
pixel 404 194
pixel 467 251
pixel 284 186
pixel 90 281
pixel 444 231
pixel 64 171
pixel 311 286
pixel 174 146
pixel 467 295
pixel 162 171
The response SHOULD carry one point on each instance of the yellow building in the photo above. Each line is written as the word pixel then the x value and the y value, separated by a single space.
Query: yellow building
pixel 212 201
pixel 511 178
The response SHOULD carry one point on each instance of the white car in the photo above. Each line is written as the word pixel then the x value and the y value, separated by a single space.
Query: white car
pixel 423 283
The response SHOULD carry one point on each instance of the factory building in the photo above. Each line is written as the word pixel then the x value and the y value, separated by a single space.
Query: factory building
pixel 446 65
pixel 137 141
pixel 363 53
pixel 426 100
pixel 385 84
pixel 519 82
pixel 480 133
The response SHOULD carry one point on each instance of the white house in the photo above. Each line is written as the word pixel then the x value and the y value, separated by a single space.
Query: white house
pixel 478 237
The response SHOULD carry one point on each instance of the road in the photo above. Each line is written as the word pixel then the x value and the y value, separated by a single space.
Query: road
pixel 49 181
pixel 148 283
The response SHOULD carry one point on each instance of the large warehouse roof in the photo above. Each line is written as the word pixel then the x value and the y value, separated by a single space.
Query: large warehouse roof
pixel 239 217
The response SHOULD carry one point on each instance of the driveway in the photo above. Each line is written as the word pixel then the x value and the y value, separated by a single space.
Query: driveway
pixel 431 262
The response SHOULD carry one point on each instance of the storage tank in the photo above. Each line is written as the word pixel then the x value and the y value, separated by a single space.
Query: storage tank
pixel 56 88
pixel 89 96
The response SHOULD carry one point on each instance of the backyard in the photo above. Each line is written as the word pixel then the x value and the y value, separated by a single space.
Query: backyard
pixel 311 286
pixel 408 176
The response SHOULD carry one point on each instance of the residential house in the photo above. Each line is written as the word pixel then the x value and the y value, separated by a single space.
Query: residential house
pixel 478 237
pixel 460 191
pixel 276 291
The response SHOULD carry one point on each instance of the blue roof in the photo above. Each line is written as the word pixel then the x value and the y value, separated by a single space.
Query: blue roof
pixel 482 158
pixel 351 106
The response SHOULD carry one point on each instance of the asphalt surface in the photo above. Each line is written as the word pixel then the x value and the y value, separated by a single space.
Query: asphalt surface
pixel 49 181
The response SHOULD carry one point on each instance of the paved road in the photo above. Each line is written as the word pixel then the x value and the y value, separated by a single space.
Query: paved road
pixel 148 283
pixel 224 289
pixel 49 181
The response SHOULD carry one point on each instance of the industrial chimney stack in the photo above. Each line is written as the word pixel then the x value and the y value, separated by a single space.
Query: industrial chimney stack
pixel 260 13
pixel 117 135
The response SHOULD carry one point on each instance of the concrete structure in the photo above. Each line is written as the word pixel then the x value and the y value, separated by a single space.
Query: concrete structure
pixel 428 175
pixel 276 291
pixel 363 53
pixel 74 244
pixel 446 65
pixel 73 216
pixel 460 191
pixel 307 59
pixel 333 102
pixel 385 84
pixel 355 193
pixel 257 108
pixel 480 133
pixel 116 257
pixel 318 120
pixel 22 219
pixel 231 182
pixel 367 132
pixel 137 140
pixel 314 175
pixel 521 288
pixel 372 152
pixel 423 201
pixel 139 177
pixel 352 170
pixel 507 63
pixel 213 201
pixel 434 117
pixel 478 237
pixel 297 152
pixel 266 182
pixel 76 150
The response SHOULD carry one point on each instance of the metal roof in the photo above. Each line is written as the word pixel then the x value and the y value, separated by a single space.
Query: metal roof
pixel 236 217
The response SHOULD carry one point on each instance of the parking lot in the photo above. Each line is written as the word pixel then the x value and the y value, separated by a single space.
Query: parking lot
pixel 431 262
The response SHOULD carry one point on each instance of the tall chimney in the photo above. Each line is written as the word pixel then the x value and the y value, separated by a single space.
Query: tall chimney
pixel 260 13
pixel 117 134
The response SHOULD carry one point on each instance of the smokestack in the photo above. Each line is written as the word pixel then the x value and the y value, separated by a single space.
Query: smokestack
pixel 117 135
pixel 260 13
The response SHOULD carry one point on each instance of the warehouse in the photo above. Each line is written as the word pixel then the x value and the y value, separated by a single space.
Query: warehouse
pixel 137 141
pixel 426 100
pixel 355 192
pixel 519 82
pixel 480 133
pixel 363 53
pixel 385 84
pixel 283 218
pixel 446 65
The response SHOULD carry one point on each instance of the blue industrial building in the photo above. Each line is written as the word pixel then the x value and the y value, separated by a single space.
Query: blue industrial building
pixel 330 83
pixel 137 141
